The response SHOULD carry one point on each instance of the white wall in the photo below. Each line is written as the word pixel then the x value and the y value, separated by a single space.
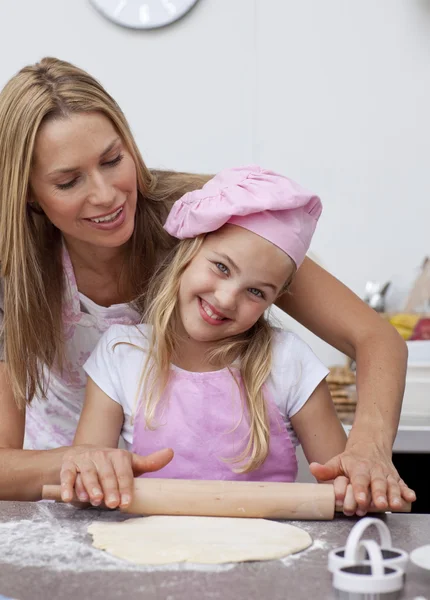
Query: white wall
pixel 335 94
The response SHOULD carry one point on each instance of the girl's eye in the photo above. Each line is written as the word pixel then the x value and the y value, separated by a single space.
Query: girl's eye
pixel 115 161
pixel 256 292
pixel 222 268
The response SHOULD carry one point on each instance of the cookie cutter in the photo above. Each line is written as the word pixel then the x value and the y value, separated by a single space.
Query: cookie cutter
pixel 368 578
pixel 392 557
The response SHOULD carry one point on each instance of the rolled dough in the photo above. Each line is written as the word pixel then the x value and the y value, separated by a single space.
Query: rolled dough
pixel 170 539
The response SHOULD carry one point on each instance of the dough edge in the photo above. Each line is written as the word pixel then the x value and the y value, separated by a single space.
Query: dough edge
pixel 112 537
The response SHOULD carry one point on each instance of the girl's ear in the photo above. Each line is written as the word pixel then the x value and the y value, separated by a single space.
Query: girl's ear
pixel 286 287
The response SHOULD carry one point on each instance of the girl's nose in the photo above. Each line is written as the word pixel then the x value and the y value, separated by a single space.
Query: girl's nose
pixel 226 298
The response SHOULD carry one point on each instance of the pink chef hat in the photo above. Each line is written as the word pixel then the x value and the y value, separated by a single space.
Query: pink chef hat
pixel 270 205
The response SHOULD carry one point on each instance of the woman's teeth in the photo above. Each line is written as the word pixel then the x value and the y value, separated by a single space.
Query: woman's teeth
pixel 108 218
pixel 210 313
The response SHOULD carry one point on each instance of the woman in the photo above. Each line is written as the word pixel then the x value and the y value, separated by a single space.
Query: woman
pixel 80 235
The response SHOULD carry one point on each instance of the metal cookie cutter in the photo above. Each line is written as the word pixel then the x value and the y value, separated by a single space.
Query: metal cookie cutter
pixel 370 579
pixel 392 557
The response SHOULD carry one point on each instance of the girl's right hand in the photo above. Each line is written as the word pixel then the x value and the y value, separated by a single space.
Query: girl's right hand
pixel 106 474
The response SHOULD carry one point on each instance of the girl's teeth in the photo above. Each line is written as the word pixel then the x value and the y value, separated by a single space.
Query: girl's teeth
pixel 210 313
pixel 108 218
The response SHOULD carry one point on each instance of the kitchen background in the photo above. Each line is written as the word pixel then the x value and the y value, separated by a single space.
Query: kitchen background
pixel 334 94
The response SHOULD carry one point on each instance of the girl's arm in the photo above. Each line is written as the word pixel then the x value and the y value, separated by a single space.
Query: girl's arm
pixel 318 428
pixel 101 419
pixel 322 437
pixel 96 468
pixel 335 314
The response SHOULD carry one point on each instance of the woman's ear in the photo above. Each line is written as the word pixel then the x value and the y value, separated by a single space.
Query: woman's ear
pixel 34 205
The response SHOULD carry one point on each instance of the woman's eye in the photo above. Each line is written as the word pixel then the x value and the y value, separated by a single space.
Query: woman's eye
pixel 256 292
pixel 222 268
pixel 68 185
pixel 115 161
pixel 109 163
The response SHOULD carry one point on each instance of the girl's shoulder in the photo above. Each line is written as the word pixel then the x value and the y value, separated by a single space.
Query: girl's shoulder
pixel 127 337
pixel 287 345
pixel 291 356
pixel 296 372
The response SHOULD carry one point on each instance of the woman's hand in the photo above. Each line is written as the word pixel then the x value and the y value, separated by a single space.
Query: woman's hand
pixel 106 474
pixel 372 475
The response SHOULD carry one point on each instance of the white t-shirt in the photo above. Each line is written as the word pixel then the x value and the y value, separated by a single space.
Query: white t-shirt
pixel 116 368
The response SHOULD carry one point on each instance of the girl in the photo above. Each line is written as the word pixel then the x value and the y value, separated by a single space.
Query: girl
pixel 206 374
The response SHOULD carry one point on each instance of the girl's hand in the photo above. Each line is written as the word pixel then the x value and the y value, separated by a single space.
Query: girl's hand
pixel 106 474
pixel 373 477
pixel 345 500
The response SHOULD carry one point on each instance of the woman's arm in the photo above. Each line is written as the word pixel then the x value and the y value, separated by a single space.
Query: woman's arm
pixel 96 469
pixel 22 472
pixel 335 314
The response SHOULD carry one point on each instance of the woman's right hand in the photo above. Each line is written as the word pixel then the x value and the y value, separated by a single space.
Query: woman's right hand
pixel 106 475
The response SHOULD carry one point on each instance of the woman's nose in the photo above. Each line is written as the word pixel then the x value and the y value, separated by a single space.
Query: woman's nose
pixel 101 192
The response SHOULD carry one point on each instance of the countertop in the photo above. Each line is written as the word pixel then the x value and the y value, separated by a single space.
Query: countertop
pixel 45 554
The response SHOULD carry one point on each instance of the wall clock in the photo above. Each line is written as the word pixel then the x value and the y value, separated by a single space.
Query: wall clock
pixel 143 14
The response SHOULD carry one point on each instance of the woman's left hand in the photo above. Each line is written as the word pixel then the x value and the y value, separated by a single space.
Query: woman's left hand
pixel 372 477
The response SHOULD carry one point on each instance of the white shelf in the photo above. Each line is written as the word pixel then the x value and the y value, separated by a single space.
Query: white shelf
pixel 413 434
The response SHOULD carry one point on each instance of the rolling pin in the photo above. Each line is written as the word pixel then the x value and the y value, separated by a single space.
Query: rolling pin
pixel 268 500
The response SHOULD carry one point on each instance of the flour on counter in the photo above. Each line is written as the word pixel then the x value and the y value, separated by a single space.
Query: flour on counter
pixel 63 545
pixel 317 545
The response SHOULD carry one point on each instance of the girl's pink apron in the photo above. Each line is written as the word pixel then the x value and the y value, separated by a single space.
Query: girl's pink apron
pixel 202 417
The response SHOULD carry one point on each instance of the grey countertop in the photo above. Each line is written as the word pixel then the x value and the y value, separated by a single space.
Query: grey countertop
pixel 45 554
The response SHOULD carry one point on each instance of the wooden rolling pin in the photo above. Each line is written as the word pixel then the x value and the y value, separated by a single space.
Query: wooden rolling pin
pixel 301 501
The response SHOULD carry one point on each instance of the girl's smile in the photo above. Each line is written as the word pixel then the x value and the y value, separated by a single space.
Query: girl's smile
pixel 210 314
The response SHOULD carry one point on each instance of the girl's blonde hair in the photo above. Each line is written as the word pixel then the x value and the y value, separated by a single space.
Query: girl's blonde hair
pixel 30 245
pixel 253 350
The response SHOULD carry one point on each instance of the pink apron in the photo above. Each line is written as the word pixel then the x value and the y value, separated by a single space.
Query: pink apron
pixel 203 419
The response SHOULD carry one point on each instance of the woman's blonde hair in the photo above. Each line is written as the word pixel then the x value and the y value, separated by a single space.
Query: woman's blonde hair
pixel 252 349
pixel 30 245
